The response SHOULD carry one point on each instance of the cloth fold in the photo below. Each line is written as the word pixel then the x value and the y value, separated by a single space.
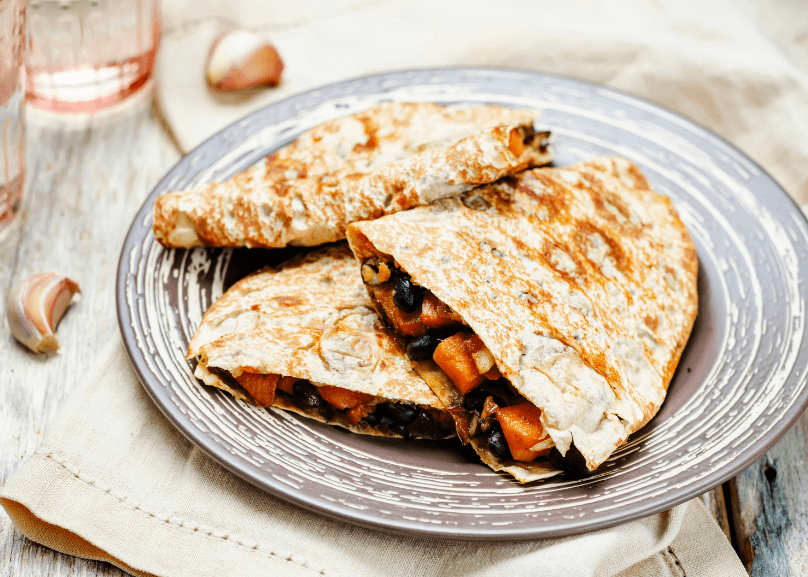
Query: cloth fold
pixel 113 480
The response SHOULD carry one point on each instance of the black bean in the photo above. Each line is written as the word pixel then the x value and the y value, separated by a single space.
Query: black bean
pixel 387 424
pixel 422 347
pixel 406 414
pixel 475 399
pixel 496 442
pixel 406 296
pixel 398 412
pixel 327 411
pixel 371 420
pixel 444 333
pixel 424 426
pixel 306 395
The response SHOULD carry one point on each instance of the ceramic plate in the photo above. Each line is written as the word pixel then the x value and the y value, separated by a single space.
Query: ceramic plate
pixel 739 386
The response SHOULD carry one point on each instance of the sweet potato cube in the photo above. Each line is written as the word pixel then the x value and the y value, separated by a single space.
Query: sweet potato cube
pixel 436 314
pixel 522 428
pixel 286 384
pixel 476 348
pixel 526 455
pixel 342 398
pixel 454 357
pixel 516 142
pixel 493 374
pixel 261 387
pixel 359 412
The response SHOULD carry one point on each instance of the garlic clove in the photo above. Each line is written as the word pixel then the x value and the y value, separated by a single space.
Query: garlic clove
pixel 242 59
pixel 35 307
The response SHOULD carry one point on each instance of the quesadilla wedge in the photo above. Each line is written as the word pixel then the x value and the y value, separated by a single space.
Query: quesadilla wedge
pixel 391 157
pixel 305 337
pixel 548 311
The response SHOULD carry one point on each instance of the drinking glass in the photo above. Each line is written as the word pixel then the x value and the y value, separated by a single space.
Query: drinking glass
pixel 12 112
pixel 86 55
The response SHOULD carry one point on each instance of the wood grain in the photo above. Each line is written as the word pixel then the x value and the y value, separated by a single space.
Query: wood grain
pixel 769 508
pixel 84 184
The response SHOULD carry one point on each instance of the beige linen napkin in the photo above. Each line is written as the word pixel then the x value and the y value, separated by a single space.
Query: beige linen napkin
pixel 115 481
pixel 702 59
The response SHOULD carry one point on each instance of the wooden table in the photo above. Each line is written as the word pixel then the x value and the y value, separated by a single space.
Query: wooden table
pixel 83 187
pixel 84 183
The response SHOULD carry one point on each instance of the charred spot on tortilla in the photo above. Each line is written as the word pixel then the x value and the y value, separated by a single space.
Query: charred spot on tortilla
pixel 283 337
pixel 391 157
pixel 568 295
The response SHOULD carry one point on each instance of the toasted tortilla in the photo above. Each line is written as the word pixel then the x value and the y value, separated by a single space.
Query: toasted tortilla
pixel 391 157
pixel 310 319
pixel 580 280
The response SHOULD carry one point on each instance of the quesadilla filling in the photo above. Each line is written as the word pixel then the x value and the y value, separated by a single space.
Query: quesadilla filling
pixel 486 407
pixel 340 406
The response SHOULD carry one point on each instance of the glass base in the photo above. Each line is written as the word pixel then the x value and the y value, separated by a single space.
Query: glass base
pixel 88 89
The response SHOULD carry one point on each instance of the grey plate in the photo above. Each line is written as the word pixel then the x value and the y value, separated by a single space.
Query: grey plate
pixel 740 383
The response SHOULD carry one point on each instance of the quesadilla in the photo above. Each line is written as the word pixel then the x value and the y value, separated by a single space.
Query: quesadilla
pixel 305 337
pixel 392 157
pixel 548 311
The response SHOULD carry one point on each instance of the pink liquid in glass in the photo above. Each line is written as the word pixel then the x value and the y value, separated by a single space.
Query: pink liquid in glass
pixel 86 55
pixel 12 110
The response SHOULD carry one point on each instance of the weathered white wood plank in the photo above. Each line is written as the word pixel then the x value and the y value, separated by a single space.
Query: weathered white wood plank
pixel 83 186
pixel 82 189
pixel 770 508
pixel 716 504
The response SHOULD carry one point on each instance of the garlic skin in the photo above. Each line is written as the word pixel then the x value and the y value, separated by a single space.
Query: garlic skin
pixel 35 307
pixel 242 59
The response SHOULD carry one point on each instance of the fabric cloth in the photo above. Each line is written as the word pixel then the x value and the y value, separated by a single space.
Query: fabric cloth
pixel 114 480
pixel 705 60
